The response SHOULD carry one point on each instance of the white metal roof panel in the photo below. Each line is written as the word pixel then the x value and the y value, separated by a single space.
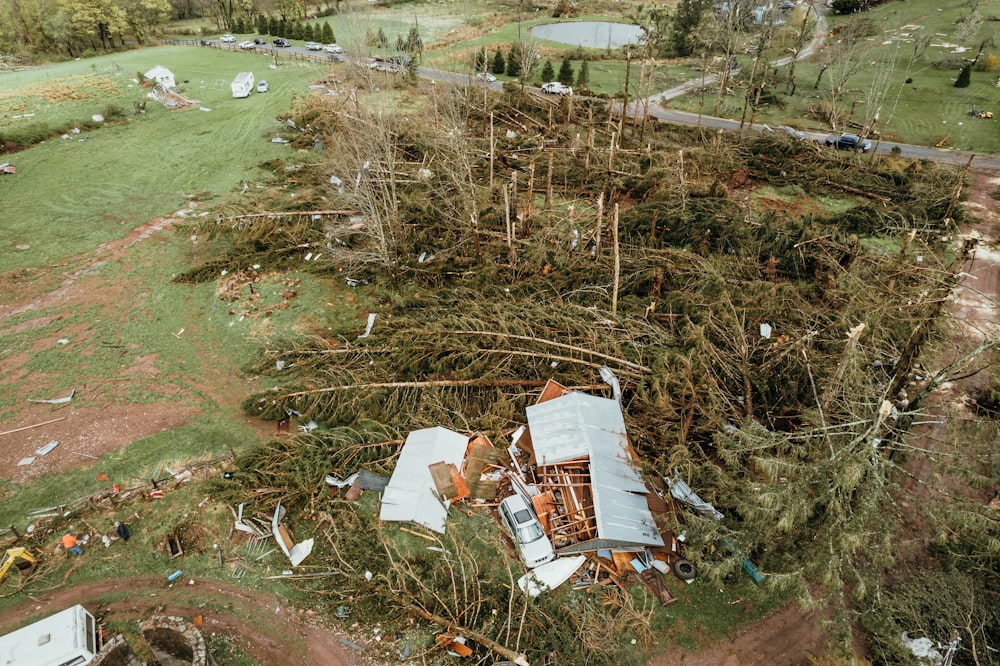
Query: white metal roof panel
pixel 579 425
pixel 409 496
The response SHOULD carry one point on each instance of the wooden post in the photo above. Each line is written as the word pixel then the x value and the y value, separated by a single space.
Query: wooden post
pixel 611 150
pixel 600 223
pixel 590 137
pixel 492 149
pixel 530 196
pixel 614 237
pixel 548 186
pixel 510 227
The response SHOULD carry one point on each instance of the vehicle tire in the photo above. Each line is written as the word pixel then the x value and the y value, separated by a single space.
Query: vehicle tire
pixel 685 570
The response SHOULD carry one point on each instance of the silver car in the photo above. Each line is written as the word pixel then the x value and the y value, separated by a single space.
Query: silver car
pixel 520 519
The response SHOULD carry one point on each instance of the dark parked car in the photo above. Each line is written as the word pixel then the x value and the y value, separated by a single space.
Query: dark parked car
pixel 849 142
pixel 259 42
pixel 281 41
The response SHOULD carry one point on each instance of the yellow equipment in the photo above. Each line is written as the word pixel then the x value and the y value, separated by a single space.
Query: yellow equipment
pixel 17 557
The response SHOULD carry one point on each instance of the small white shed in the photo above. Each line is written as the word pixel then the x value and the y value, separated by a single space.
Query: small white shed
pixel 162 76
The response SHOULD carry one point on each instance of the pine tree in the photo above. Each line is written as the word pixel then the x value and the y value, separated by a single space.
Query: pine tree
pixel 548 72
pixel 565 75
pixel 413 42
pixel 381 40
pixel 583 76
pixel 262 25
pixel 308 32
pixel 514 61
pixel 964 76
pixel 327 34
pixel 481 57
pixel 273 27
pixel 499 64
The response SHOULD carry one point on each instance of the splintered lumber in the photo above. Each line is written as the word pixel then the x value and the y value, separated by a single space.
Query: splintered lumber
pixel 519 659
pixel 653 580
pixel 36 425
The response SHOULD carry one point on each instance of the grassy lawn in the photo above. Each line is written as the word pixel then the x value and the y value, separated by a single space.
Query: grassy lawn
pixel 98 185
pixel 928 110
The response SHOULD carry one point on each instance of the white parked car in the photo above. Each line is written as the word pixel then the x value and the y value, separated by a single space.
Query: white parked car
pixel 486 76
pixel 556 88
pixel 247 45
pixel 313 46
pixel 262 86
pixel 519 517
pixel 333 48
pixel 227 39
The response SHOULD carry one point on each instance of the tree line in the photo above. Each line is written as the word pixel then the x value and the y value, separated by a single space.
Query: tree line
pixel 73 27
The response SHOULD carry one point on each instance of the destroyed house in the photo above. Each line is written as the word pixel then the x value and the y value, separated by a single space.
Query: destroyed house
pixel 591 494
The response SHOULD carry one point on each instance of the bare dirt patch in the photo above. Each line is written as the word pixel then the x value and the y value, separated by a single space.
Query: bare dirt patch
pixel 302 639
pixel 83 433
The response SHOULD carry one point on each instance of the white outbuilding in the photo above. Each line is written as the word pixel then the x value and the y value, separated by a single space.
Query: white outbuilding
pixel 161 76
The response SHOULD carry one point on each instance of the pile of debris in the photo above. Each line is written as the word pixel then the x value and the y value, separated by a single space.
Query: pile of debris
pixel 574 497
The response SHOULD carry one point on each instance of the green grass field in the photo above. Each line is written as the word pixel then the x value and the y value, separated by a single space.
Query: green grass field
pixel 98 185
pixel 929 110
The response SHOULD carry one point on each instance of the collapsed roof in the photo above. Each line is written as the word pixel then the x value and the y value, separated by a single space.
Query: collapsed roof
pixel 585 462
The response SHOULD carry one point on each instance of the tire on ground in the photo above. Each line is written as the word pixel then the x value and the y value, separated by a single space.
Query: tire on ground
pixel 685 570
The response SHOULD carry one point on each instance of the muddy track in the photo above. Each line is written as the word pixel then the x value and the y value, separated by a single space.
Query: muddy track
pixel 290 638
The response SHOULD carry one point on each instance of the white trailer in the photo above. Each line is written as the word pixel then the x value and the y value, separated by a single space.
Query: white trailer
pixel 68 638
pixel 243 84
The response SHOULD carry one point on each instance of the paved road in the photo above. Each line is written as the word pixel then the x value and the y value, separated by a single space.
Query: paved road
pixel 656 109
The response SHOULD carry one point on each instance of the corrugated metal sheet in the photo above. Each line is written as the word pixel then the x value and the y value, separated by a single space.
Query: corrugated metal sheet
pixel 409 497
pixel 579 425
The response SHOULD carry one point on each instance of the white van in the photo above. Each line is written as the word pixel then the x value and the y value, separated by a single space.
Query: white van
pixel 243 84
pixel 68 638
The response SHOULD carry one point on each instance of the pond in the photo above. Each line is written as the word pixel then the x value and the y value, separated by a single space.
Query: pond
pixel 591 34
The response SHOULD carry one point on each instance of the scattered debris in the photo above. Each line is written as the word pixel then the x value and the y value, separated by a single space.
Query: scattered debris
pixel 25 461
pixel 455 645
pixel 56 401
pixel 409 495
pixel 550 576
pixel 351 644
pixel 682 492
pixel 295 552
pixel 36 425
pixel 47 448
pixel 7 167
pixel 368 328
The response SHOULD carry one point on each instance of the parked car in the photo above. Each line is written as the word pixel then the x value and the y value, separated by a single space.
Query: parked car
pixel 313 46
pixel 519 517
pixel 486 76
pixel 556 88
pixel 849 142
pixel 281 41
pixel 227 39
pixel 262 86
pixel 258 41
pixel 247 45
pixel 333 48
pixel 791 131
